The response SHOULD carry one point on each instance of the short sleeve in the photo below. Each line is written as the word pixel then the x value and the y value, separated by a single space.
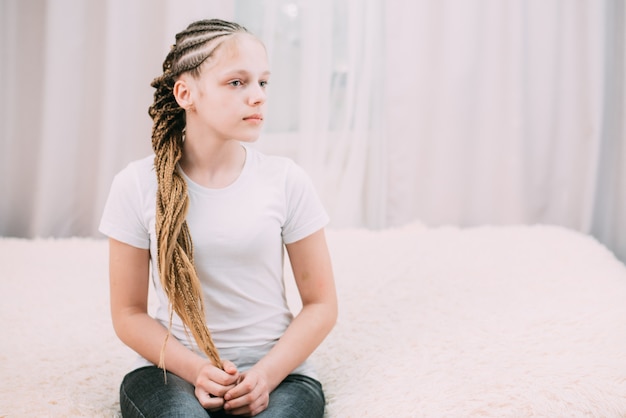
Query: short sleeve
pixel 305 212
pixel 123 216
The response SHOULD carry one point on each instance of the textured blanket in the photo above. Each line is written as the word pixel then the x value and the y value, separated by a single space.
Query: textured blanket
pixel 434 322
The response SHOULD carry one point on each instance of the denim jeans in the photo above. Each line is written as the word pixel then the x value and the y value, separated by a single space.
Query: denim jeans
pixel 144 393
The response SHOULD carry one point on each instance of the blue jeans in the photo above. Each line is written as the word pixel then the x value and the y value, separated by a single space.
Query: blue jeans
pixel 144 393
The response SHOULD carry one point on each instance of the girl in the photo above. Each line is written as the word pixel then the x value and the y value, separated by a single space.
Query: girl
pixel 242 209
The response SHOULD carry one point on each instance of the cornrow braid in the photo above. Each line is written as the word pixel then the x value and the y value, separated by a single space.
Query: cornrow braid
pixel 174 245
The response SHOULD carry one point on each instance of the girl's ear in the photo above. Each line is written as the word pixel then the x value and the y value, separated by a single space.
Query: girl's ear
pixel 182 93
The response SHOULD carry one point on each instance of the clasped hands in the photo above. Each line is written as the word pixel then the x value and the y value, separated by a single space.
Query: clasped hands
pixel 245 393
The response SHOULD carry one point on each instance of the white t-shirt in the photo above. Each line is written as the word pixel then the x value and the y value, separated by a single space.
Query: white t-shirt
pixel 238 234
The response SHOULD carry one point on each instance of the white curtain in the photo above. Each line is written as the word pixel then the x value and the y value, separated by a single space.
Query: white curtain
pixel 507 112
pixel 444 111
pixel 505 120
pixel 609 204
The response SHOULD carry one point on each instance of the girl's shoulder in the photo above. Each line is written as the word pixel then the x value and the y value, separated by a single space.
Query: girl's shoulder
pixel 142 165
pixel 282 171
pixel 271 162
pixel 141 170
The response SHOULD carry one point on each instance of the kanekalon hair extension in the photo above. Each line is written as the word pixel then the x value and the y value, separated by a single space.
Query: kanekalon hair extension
pixel 174 245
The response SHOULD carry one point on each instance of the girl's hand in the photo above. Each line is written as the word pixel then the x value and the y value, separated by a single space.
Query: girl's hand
pixel 250 397
pixel 212 384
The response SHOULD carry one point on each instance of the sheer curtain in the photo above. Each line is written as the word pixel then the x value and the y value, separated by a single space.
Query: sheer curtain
pixel 506 117
pixel 507 113
pixel 443 111
pixel 608 210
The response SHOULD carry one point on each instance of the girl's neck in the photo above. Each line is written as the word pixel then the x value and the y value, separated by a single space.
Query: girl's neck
pixel 213 164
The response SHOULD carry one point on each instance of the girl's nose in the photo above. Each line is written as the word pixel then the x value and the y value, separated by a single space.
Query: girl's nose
pixel 257 95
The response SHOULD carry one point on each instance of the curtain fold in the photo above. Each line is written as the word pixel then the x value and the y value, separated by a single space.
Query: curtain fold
pixel 21 38
pixel 348 151
pixel 608 207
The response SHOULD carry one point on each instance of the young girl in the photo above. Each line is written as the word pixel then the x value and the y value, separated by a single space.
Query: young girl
pixel 208 218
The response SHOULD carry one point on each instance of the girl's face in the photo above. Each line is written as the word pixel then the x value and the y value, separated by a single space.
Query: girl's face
pixel 229 96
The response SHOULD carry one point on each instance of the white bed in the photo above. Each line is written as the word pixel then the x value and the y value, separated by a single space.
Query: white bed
pixel 524 321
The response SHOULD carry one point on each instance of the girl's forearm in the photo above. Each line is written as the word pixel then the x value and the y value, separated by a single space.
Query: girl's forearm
pixel 146 336
pixel 302 337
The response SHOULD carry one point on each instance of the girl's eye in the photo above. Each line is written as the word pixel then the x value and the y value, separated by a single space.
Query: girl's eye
pixel 263 83
pixel 236 83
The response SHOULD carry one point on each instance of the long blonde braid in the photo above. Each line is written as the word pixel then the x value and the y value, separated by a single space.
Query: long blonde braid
pixel 174 246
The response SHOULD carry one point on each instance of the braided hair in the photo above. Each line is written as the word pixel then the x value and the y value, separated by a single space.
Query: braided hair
pixel 174 246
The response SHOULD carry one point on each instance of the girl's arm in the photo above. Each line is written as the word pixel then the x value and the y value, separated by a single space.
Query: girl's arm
pixel 311 264
pixel 129 281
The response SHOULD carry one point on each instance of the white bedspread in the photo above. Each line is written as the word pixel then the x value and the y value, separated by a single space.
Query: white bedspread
pixel 434 322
